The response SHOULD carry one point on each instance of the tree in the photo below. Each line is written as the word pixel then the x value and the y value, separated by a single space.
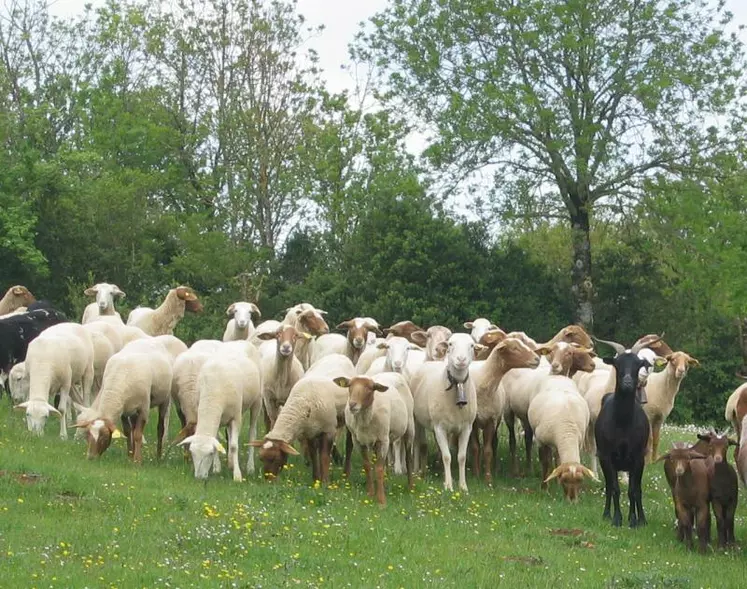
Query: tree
pixel 575 102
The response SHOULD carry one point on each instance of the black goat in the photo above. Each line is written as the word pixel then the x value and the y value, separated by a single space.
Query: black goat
pixel 621 431
pixel 17 331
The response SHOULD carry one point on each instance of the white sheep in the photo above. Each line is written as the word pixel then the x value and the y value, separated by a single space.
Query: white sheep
pixel 430 341
pixel 559 418
pixel 308 319
pixel 174 346
pixel 135 379
pixel 229 384
pixel 18 383
pixel 206 345
pixel 478 327
pixel 403 329
pixel 511 353
pixel 60 358
pixel 280 367
pixel 446 402
pixel 350 345
pixel 314 410
pixel 379 413
pixel 15 298
pixel 110 331
pixel 105 294
pixel 400 356
pixel 268 326
pixel 163 320
pixel 730 411
pixel 103 350
pixel 243 318
pixel 661 390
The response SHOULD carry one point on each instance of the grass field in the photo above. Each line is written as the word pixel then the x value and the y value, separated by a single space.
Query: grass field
pixel 69 522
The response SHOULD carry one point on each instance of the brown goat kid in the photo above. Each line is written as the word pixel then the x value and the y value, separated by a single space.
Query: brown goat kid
pixel 687 474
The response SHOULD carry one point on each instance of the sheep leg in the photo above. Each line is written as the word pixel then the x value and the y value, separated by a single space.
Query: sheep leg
pixel 137 436
pixel 443 445
pixel 181 416
pixel 474 446
pixel 718 512
pixel 87 384
pixel 161 428
pixel 410 458
pixel 684 525
pixel 703 518
pixel 127 432
pixel 255 411
pixel 381 450
pixel 488 441
pixel 314 455
pixel 655 435
pixel 397 452
pixel 545 456
pixel 494 447
pixel 729 517
pixel 611 493
pixel 268 415
pixel 528 439
pixel 64 396
pixel 325 447
pixel 348 453
pixel 635 496
pixel 462 457
pixel 511 426
pixel 233 448
pixel 367 470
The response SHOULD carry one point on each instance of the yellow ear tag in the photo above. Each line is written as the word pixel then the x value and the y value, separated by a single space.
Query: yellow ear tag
pixel 220 448
pixel 659 362
pixel 116 434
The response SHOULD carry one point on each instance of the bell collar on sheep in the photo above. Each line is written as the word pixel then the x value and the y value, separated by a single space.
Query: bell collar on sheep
pixel 461 395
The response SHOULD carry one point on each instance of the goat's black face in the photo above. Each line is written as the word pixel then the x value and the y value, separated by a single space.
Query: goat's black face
pixel 627 367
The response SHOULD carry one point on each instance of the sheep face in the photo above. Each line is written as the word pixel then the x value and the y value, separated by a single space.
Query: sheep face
pixel 680 362
pixel 99 436
pixel 629 367
pixel 478 327
pixel 571 476
pixel 402 329
pixel 313 322
pixel 189 296
pixel 22 294
pixel 358 330
pixel 37 413
pixel 105 294
pixel 514 353
pixel 18 383
pixel 204 450
pixel 678 459
pixel 431 339
pixel 361 390
pixel 273 454
pixel 397 350
pixel 565 359
pixel 489 340
pixel 244 314
pixel 286 336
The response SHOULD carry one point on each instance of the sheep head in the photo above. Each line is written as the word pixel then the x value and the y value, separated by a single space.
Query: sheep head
pixel 273 454
pixel 478 327
pixel 402 329
pixel 361 390
pixel 23 295
pixel 99 435
pixel 572 334
pixel 244 314
pixel 677 460
pixel 37 413
pixel 680 363
pixel 571 475
pixel 567 359
pixel 189 296
pixel 204 450
pixel 312 321
pixel 718 444
pixel 105 294
pixel 397 350
pixel 514 353
pixel 286 336
pixel 358 329
pixel 489 340
pixel 430 340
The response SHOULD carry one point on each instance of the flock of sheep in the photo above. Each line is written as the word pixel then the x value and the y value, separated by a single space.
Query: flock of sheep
pixel 385 392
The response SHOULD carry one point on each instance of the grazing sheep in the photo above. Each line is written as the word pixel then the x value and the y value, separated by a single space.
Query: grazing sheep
pixel 430 341
pixel 161 321
pixel 487 376
pixel 559 416
pixel 621 433
pixel 135 379
pixel 478 327
pixel 280 367
pixel 519 385
pixel 446 402
pixel 18 383
pixel 661 390
pixel 687 475
pixel 58 360
pixel 105 294
pixel 184 389
pixel 229 384
pixel 351 345
pixel 314 410
pixel 243 318
pixel 379 413
pixel 723 483
pixel 15 297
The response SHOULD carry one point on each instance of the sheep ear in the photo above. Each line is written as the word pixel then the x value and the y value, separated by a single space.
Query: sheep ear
pixel 267 335
pixel 663 457
pixel 468 324
pixel 288 449
pixel 608 360
pixel 554 474
pixel 692 361
pixel 80 424
pixel 442 348
pixel 53 410
pixel 218 446
pixel 256 443
pixel 419 337
pixel 255 310
pixel 231 309
pixel 21 406
pixel 704 437
pixel 383 346
pixel 659 362
pixel 543 350
pixel 342 381
pixel 589 473
pixel 344 325
pixel 415 347
pixel 90 292
pixel 187 440
pixel 480 348
pixel 78 407
pixel 380 387
pixel 118 292
pixel 321 311
pixel 19 290
pixel 696 455
pixel 305 335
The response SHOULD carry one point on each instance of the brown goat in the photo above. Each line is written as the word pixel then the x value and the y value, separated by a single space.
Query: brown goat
pixel 723 482
pixel 687 474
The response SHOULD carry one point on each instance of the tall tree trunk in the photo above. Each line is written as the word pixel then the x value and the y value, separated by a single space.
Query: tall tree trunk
pixel 581 283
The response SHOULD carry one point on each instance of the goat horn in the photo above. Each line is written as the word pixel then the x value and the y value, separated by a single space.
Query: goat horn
pixel 620 349
pixel 646 341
